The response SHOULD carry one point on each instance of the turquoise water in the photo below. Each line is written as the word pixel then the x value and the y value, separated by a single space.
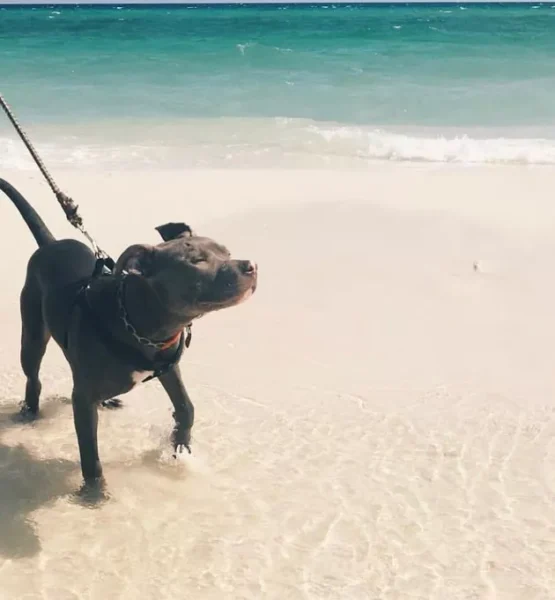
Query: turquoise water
pixel 413 82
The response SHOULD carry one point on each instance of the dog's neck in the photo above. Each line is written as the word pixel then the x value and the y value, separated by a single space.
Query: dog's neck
pixel 147 312
pixel 145 309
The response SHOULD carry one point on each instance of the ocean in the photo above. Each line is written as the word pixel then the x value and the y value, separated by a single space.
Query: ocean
pixel 279 85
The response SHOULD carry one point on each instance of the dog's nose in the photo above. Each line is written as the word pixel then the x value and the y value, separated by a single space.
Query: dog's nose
pixel 247 267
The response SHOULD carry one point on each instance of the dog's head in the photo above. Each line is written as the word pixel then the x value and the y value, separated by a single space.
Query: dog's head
pixel 191 274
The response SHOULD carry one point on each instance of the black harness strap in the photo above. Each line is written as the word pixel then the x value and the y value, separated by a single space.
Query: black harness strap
pixel 124 352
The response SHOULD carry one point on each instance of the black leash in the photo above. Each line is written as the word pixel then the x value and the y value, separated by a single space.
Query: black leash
pixel 68 205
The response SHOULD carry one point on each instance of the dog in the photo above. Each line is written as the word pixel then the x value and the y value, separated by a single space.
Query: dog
pixel 125 327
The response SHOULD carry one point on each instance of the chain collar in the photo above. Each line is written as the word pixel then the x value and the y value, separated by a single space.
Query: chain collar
pixel 124 316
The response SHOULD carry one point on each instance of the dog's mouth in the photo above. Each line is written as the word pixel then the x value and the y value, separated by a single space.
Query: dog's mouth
pixel 231 293
pixel 246 295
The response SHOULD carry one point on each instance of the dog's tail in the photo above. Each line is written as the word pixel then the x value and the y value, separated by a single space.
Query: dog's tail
pixel 39 230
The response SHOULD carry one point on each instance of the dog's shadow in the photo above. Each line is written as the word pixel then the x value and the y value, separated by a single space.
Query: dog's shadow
pixel 27 483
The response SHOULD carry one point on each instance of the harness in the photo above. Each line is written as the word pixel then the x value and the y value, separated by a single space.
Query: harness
pixel 125 352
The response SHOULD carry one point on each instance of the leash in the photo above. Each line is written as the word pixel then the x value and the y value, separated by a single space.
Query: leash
pixel 104 261
pixel 104 266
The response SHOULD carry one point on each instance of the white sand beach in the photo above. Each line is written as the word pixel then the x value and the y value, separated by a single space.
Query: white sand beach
pixel 377 422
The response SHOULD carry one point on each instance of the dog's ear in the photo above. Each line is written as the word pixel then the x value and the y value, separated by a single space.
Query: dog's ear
pixel 136 259
pixel 171 231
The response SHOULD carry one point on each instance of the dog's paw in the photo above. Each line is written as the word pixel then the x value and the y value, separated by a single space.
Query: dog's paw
pixel 92 494
pixel 180 448
pixel 112 403
pixel 181 440
pixel 26 414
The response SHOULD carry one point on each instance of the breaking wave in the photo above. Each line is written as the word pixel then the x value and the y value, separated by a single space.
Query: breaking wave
pixel 265 142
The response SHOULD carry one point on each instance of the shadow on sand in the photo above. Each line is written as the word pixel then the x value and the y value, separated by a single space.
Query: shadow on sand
pixel 27 483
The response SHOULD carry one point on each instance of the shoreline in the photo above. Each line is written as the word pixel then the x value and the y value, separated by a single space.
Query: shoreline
pixel 271 142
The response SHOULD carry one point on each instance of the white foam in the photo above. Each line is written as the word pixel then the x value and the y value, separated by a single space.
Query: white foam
pixel 280 141
pixel 243 47
pixel 383 145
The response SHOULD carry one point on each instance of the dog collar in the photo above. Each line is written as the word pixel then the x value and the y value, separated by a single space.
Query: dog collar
pixel 124 316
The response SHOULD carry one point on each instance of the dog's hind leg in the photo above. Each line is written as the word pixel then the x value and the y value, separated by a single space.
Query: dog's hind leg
pixel 34 339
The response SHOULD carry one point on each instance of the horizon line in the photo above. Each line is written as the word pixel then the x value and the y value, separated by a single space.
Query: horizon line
pixel 240 3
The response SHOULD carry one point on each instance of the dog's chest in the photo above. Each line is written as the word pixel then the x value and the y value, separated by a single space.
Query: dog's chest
pixel 139 376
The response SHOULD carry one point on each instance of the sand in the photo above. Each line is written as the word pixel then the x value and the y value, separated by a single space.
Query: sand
pixel 377 422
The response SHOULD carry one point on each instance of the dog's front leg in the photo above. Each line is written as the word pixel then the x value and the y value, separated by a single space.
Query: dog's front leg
pixel 85 417
pixel 184 411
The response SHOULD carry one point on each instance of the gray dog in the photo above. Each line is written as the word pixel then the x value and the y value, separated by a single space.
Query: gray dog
pixel 120 329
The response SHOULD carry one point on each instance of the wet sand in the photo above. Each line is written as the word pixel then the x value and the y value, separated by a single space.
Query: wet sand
pixel 376 422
